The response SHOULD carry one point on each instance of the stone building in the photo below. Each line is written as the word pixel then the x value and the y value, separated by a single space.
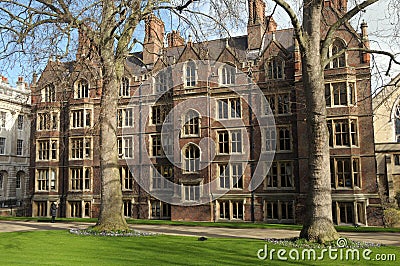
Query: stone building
pixel 15 108
pixel 386 109
pixel 65 161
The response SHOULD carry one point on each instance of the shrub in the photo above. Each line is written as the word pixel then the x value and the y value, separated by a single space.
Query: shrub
pixel 391 216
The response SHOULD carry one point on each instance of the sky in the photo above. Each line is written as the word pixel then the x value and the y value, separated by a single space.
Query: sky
pixel 377 16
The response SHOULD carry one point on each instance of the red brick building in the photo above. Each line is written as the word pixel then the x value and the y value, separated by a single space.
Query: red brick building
pixel 65 101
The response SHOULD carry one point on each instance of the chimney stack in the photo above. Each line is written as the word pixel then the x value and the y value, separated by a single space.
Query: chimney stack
pixel 153 39
pixel 175 39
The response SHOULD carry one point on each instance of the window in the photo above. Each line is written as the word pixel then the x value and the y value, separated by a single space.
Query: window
pixel 345 172
pixel 127 208
pixel 49 93
pixel 278 103
pixel 280 175
pixel 229 108
pixel 124 89
pixel 337 47
pixel 81 148
pixel 159 113
pixel 1 180
pixel 17 182
pixel 275 68
pixel 160 210
pixel 125 117
pixel 191 192
pixel 126 178
pixel 348 212
pixel 125 147
pixel 161 82
pixel 162 177
pixel 342 132
pixel 20 122
pixel 396 159
pixel 227 75
pixel 46 179
pixel 3 116
pixel 190 74
pixel 80 178
pixel 191 123
pixel 230 176
pixel 75 208
pixel 281 141
pixel 81 118
pixel 82 89
pixel 279 210
pixel 229 141
pixel 41 208
pixel 231 210
pixel 20 147
pixel 270 139
pixel 340 93
pixel 47 121
pixel 47 149
pixel 191 156
pixel 397 123
pixel 156 146
pixel 2 145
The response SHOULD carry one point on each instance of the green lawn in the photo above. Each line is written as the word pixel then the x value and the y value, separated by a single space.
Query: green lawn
pixel 63 248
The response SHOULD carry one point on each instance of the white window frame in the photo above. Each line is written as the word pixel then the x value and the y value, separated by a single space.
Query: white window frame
pixel 85 147
pixel 125 147
pixel 227 74
pixel 191 165
pixel 232 176
pixel 82 182
pixel 275 68
pixel 82 89
pixel 50 179
pixel 81 118
pixel 191 193
pixel 351 93
pixel 51 151
pixel 48 93
pixel 20 147
pixel 124 90
pixel 190 74
pixel 47 121
pixel 280 175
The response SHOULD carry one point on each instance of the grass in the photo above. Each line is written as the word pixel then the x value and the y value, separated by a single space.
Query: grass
pixel 239 225
pixel 62 248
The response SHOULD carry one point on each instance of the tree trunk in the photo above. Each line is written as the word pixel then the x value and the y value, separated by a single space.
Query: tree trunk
pixel 318 225
pixel 111 212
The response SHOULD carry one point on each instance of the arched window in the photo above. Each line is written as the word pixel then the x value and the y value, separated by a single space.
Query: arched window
pixel 191 156
pixel 276 66
pixel 2 177
pixel 337 47
pixel 19 181
pixel 49 93
pixel 124 90
pixel 228 75
pixel 190 74
pixel 397 122
pixel 191 123
pixel 82 89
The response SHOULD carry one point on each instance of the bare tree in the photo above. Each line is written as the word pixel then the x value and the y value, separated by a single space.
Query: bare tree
pixel 314 44
pixel 43 28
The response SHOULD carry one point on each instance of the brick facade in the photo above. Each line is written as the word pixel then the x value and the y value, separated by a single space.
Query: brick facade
pixel 273 63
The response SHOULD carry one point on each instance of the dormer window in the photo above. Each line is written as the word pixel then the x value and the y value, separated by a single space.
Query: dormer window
pixel 190 77
pixel 49 93
pixel 82 89
pixel 124 90
pixel 275 68
pixel 337 47
pixel 227 75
